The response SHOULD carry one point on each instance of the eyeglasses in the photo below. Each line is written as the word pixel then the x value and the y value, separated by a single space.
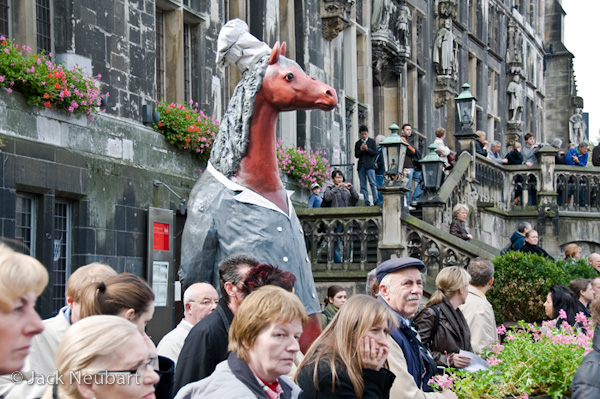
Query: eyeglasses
pixel 140 370
pixel 207 302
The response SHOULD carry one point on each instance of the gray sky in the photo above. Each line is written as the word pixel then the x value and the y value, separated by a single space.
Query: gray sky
pixel 581 39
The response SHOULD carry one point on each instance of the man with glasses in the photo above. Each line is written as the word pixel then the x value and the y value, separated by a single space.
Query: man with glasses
pixel 206 343
pixel 199 300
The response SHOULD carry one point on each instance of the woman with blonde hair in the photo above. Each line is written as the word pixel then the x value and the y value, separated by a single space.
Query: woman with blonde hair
pixel 263 340
pixel 331 367
pixel 103 357
pixel 457 227
pixel 130 297
pixel 442 326
pixel 22 280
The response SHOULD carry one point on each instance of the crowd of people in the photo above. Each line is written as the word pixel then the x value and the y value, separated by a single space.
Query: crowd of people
pixel 246 343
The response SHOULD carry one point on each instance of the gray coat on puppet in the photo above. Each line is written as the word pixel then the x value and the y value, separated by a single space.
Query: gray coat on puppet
pixel 239 204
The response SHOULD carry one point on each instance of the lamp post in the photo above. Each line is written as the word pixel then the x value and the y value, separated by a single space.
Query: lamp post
pixel 394 152
pixel 393 191
pixel 433 170
pixel 465 107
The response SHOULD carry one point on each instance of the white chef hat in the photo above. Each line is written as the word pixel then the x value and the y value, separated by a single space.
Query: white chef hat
pixel 236 46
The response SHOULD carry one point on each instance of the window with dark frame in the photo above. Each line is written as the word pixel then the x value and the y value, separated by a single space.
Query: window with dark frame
pixel 61 265
pixel 4 18
pixel 25 222
pixel 44 26
pixel 160 54
pixel 187 62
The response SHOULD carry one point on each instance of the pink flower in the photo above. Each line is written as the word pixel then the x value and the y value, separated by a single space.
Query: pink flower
pixel 7 51
pixel 1 78
pixel 510 337
pixel 562 314
pixel 497 348
pixel 494 361
pixel 9 90
pixel 581 318
pixel 501 330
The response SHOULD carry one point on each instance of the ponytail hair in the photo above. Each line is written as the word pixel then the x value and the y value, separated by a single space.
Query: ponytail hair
pixel 448 282
pixel 118 293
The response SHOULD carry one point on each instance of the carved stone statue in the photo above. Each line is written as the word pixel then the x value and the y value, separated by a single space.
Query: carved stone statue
pixel 577 127
pixel 382 10
pixel 402 24
pixel 515 100
pixel 443 49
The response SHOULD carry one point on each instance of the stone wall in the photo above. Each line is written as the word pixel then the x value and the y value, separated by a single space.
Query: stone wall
pixel 104 169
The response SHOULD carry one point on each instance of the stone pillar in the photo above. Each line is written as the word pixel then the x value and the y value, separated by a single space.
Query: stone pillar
pixel 548 212
pixel 391 229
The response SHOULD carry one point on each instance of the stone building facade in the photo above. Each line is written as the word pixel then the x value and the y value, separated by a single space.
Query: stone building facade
pixel 399 61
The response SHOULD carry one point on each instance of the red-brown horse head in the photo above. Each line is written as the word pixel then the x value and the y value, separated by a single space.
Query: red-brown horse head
pixel 287 88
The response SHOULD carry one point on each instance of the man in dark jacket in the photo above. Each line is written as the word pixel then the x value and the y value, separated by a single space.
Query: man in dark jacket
pixel 365 150
pixel 518 238
pixel 206 344
pixel 401 288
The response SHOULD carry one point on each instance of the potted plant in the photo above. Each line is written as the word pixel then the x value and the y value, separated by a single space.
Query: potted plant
pixel 46 84
pixel 187 128
pixel 301 168
pixel 531 362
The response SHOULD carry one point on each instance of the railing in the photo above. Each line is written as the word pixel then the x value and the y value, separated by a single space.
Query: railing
pixel 342 241
pixel 577 188
pixel 518 186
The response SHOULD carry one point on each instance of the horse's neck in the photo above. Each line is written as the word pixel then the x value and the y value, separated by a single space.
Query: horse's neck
pixel 258 169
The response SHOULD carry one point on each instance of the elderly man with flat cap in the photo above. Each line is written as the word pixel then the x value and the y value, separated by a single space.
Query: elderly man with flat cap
pixel 401 288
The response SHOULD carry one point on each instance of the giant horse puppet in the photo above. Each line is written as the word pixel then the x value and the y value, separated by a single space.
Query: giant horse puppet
pixel 239 204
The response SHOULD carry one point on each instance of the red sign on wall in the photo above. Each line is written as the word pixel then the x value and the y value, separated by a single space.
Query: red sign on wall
pixel 161 236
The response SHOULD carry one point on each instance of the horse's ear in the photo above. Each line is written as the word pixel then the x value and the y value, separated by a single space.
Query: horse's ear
pixel 283 47
pixel 275 54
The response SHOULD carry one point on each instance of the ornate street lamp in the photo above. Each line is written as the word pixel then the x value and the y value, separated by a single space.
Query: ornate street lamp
pixel 433 170
pixel 465 108
pixel 394 152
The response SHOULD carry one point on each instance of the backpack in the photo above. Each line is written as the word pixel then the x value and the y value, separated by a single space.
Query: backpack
pixel 416 158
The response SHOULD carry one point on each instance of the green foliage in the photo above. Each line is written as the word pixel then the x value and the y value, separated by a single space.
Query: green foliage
pixel 187 128
pixel 44 83
pixel 532 362
pixel 306 167
pixel 522 282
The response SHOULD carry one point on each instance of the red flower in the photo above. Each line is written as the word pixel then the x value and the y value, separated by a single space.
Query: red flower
pixel 57 85
pixel 47 104
pixel 160 123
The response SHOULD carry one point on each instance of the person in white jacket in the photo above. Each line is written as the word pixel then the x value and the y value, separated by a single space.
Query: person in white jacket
pixel 477 309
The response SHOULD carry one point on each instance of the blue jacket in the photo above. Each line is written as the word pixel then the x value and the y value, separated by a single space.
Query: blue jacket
pixel 583 158
pixel 517 240
pixel 407 339
pixel 315 201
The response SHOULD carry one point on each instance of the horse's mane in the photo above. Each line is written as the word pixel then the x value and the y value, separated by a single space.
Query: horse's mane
pixel 230 145
pixel 232 140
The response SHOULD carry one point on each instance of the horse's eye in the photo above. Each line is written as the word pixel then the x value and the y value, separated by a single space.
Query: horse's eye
pixel 289 77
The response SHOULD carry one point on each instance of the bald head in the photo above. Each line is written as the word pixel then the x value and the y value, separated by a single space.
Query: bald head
pixel 199 300
pixel 594 261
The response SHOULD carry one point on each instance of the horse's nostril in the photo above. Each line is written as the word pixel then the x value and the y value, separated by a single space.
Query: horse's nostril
pixel 328 92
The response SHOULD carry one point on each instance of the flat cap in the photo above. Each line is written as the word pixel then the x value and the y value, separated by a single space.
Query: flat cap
pixel 395 264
